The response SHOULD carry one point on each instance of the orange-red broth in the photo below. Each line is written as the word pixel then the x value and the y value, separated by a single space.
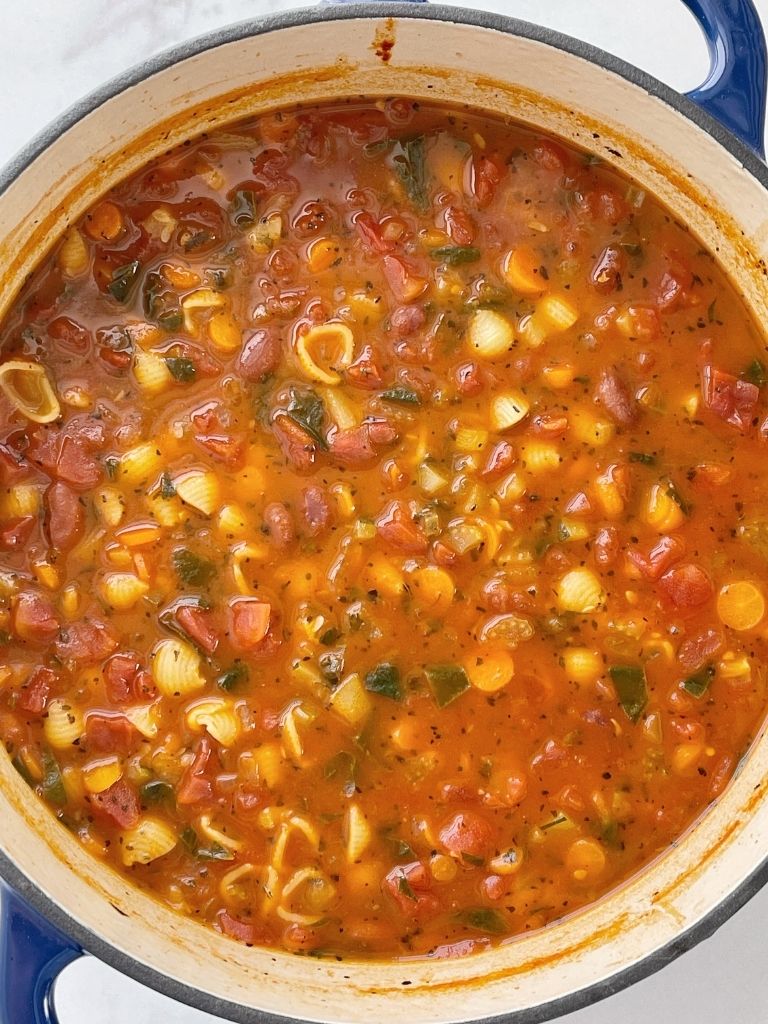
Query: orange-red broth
pixel 282 785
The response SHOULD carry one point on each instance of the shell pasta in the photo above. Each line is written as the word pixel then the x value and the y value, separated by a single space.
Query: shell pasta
pixel 383 541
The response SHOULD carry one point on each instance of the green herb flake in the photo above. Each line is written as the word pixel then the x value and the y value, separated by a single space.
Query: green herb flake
pixel 53 784
pixel 385 679
pixel 643 458
pixel 191 568
pixel 182 370
pixel 483 919
pixel 343 766
pixel 756 374
pixel 167 490
pixel 232 677
pixel 411 168
pixel 447 682
pixel 401 394
pixel 189 839
pixel 455 255
pixel 123 280
pixel 404 887
pixel 631 689
pixel 698 684
pixel 156 792
pixel 306 409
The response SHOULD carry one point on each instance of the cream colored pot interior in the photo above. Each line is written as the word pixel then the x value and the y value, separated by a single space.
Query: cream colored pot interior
pixel 557 91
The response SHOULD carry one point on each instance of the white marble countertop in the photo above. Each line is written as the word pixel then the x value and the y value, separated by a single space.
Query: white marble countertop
pixel 56 52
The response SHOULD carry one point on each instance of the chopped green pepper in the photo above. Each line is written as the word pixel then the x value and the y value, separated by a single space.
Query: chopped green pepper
pixel 385 679
pixel 483 919
pixel 447 682
pixel 631 689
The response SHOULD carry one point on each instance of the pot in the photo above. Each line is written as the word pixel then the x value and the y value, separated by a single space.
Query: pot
pixel 701 156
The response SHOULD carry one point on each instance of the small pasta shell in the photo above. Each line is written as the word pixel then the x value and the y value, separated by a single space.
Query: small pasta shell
pixel 121 590
pixel 138 465
pixel 588 429
pixel 27 387
pixel 218 717
pixel 351 701
pixel 231 521
pixel 582 665
pixel 507 410
pixel 340 409
pixel 201 299
pixel 151 372
pixel 579 591
pixel 176 668
pixel 540 456
pixel 73 257
pixel 490 335
pixel 268 760
pixel 557 312
pixel 200 489
pixel 63 724
pixel 470 439
pixel 325 349
pixel 357 833
pixel 144 719
pixel 110 506
pixel 147 841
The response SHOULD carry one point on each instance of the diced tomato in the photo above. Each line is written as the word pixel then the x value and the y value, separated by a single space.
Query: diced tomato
pixel 549 424
pixel 696 651
pixel 196 783
pixel 34 619
pixel 487 172
pixel 406 285
pixel 15 533
pixel 364 371
pixel 279 524
pixel 224 448
pixel 120 803
pixel 469 379
pixel 644 322
pixel 86 642
pixel 731 399
pixel 260 355
pixel 686 586
pixel 315 510
pixel 410 885
pixel 711 475
pixel 65 520
pixel 443 555
pixel 198 624
pixel 298 447
pixel 501 458
pixel 12 465
pixel 605 275
pixel 407 320
pixel 675 284
pixel 459 226
pixel 76 466
pixel 493 887
pixel 359 446
pixel 662 555
pixel 249 799
pixel 109 734
pixel 579 505
pixel 250 622
pixel 125 681
pixel 396 526
pixel 606 546
pixel 371 232
pixel 249 932
pixel 34 694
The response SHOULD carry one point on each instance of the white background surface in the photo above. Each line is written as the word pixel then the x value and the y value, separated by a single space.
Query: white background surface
pixel 54 52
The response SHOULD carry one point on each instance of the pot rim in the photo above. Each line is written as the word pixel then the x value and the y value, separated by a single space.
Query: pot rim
pixel 90 942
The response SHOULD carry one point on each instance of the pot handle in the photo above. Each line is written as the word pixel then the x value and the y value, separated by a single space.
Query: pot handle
pixel 734 91
pixel 32 953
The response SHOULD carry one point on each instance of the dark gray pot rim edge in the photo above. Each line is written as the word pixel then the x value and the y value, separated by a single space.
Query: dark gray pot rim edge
pixel 124 962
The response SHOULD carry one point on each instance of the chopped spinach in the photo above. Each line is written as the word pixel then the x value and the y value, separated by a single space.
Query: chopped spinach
pixel 404 887
pixel 756 373
pixel 231 677
pixel 401 394
pixel 631 689
pixel 53 784
pixel 123 280
pixel 191 568
pixel 23 771
pixel 188 838
pixel 411 168
pixel 160 303
pixel 307 410
pixel 698 684
pixel 447 682
pixel 330 636
pixel 156 792
pixel 385 679
pixel 455 255
pixel 343 766
pixel 483 919
pixel 182 370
